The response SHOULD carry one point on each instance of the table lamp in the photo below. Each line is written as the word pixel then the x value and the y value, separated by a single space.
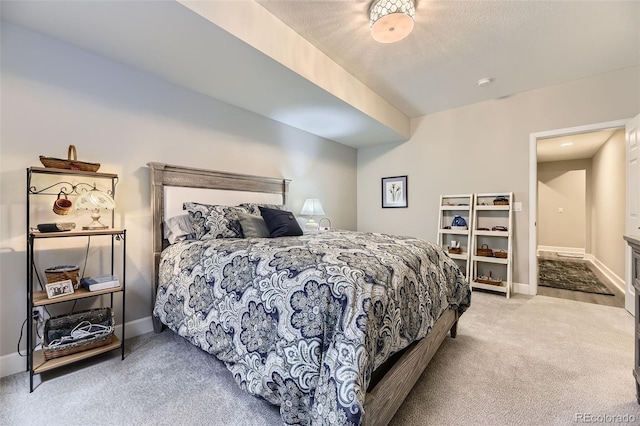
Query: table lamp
pixel 95 200
pixel 311 207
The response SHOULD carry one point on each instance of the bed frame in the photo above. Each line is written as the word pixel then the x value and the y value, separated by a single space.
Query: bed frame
pixel 392 382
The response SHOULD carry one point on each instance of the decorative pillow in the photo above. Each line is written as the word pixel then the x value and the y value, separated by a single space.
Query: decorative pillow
pixel 254 208
pixel 214 221
pixel 179 228
pixel 253 226
pixel 280 223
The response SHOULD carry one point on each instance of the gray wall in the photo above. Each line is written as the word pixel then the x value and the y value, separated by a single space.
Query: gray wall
pixel 566 185
pixel 484 147
pixel 54 95
pixel 609 203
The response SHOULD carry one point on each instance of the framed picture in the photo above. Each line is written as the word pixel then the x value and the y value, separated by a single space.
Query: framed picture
pixel 59 288
pixel 394 192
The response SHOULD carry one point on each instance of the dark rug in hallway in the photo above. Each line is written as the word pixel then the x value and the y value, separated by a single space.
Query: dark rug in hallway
pixel 576 276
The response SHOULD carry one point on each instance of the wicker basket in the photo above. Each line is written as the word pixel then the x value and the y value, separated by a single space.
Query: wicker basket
pixel 62 206
pixel 501 201
pixel 74 164
pixel 57 327
pixel 484 251
pixel 500 254
pixel 489 280
pixel 61 273
pixel 455 250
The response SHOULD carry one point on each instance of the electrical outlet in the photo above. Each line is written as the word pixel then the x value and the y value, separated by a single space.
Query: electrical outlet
pixel 517 207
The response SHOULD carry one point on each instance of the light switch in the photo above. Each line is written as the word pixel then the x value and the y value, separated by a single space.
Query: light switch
pixel 517 207
pixel 560 210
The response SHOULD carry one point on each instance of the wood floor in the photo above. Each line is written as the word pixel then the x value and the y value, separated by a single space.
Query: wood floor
pixel 617 300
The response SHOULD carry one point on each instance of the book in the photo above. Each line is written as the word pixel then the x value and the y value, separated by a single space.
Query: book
pixel 100 282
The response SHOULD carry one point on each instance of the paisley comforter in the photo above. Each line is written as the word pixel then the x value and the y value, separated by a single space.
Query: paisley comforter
pixel 303 321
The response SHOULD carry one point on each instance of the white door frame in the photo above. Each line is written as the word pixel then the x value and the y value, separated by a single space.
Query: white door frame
pixel 533 185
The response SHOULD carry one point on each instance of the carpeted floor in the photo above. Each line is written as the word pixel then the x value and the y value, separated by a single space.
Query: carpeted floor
pixel 570 275
pixel 526 361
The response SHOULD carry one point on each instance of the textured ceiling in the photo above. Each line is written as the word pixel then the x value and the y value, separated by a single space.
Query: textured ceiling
pixel 524 45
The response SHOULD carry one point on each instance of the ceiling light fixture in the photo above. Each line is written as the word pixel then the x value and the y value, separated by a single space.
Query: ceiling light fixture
pixel 391 20
pixel 566 144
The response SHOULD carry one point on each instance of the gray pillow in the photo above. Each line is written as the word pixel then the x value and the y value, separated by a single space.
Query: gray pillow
pixel 253 226
pixel 254 208
pixel 178 228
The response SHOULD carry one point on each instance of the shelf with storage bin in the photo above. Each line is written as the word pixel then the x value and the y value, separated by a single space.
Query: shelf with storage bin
pixel 70 172
pixel 40 364
pixel 40 297
pixel 450 207
pixel 485 207
pixel 488 259
pixel 495 272
pixel 45 183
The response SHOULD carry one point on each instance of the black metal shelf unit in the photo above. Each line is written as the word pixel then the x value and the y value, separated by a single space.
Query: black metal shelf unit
pixel 36 362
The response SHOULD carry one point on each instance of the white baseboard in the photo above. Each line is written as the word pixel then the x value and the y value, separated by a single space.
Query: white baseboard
pixel 616 280
pixel 572 250
pixel 522 288
pixel 137 327
pixel 14 363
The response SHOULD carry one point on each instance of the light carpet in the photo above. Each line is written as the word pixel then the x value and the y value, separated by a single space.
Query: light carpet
pixel 527 361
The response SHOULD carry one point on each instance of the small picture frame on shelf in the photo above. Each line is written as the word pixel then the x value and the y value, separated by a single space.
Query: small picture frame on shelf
pixel 394 192
pixel 59 289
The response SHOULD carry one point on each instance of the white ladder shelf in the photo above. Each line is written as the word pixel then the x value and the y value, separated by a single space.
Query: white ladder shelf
pixel 493 228
pixel 450 207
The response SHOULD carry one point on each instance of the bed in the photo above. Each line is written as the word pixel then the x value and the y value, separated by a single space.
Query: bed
pixel 333 327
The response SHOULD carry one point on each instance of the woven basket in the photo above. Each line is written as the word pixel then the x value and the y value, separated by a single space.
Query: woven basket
pixel 489 280
pixel 501 254
pixel 484 251
pixel 74 164
pixel 62 206
pixel 455 250
pixel 61 273
pixel 501 201
pixel 57 327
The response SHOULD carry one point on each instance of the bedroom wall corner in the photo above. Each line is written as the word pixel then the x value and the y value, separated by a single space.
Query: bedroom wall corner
pixel 484 147
pixel 54 94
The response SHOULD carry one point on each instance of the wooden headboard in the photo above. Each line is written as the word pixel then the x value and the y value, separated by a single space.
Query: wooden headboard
pixel 166 175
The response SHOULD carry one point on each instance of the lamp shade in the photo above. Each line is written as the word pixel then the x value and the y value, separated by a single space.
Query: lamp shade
pixel 312 207
pixel 391 20
pixel 95 201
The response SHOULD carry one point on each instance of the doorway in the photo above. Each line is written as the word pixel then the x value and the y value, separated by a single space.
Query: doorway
pixel 573 227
